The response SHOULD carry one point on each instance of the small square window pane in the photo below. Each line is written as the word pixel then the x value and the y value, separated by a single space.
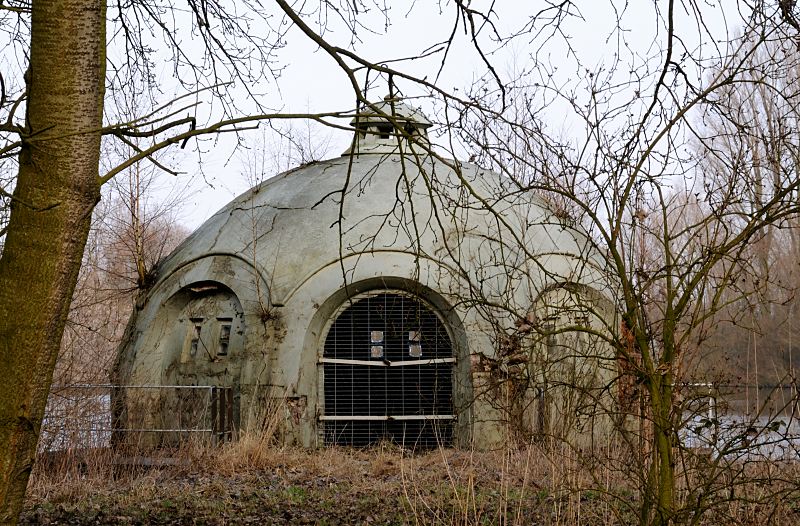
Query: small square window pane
pixel 415 350
pixel 413 336
pixel 376 351
pixel 376 336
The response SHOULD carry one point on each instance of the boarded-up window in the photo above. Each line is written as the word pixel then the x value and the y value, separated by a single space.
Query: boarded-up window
pixel 224 335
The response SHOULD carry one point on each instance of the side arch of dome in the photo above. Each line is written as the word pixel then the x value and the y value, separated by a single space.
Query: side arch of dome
pixel 574 365
pixel 151 338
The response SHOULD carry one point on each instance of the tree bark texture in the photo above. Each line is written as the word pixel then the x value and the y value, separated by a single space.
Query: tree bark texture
pixel 56 190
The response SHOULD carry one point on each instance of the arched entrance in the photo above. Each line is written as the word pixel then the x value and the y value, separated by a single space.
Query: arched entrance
pixel 387 369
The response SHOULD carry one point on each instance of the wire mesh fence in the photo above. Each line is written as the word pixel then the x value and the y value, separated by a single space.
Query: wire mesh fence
pixel 727 419
pixel 87 416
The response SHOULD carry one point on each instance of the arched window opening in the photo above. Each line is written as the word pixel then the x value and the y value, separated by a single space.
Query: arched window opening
pixel 388 375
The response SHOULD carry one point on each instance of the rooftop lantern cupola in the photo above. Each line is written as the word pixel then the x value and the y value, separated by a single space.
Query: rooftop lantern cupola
pixel 387 127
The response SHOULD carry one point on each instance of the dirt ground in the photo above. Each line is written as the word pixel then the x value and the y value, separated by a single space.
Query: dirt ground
pixel 332 487
pixel 250 483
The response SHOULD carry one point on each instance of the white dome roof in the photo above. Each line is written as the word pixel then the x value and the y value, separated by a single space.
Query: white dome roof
pixel 387 200
pixel 289 227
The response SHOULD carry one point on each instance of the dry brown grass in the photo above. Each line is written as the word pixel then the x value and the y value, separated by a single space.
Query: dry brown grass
pixel 255 480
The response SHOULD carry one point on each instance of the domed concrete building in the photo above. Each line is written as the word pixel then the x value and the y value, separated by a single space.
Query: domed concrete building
pixel 387 294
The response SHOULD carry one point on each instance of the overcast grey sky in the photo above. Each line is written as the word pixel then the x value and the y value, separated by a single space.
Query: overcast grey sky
pixel 311 81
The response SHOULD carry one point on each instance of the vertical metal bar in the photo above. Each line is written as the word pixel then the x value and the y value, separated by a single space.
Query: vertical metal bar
pixel 223 425
pixel 541 409
pixel 214 424
pixel 179 397
pixel 230 413
pixel 221 416
pixel 712 403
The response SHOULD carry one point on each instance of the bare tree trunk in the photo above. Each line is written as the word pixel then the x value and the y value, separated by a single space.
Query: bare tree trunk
pixel 663 437
pixel 135 196
pixel 57 188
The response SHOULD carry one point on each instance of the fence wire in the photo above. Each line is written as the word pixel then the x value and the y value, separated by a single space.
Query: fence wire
pixel 82 416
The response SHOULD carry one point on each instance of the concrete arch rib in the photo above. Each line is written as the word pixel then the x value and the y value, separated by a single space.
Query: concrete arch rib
pixel 232 270
pixel 362 265
pixel 574 363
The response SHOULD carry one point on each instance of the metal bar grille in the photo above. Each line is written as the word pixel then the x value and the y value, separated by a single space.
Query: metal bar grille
pixel 388 375
pixel 388 417
pixel 222 414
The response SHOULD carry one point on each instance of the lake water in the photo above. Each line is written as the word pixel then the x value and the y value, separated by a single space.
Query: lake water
pixel 740 422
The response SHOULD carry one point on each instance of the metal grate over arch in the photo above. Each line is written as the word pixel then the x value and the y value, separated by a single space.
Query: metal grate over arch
pixel 388 374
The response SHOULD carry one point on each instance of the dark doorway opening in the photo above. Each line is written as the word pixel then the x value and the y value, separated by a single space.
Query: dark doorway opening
pixel 388 375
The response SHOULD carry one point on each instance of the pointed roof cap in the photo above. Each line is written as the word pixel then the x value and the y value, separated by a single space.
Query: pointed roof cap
pixel 395 107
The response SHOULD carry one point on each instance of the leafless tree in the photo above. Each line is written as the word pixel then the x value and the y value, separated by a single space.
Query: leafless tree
pixel 680 248
pixel 64 66
pixel 634 113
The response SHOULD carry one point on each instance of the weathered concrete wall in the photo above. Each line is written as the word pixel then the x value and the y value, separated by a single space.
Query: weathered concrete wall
pixel 281 259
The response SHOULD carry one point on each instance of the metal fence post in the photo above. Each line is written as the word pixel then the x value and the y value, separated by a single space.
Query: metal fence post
pixel 214 420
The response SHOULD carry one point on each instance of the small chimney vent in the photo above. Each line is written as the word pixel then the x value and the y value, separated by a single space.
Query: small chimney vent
pixel 389 126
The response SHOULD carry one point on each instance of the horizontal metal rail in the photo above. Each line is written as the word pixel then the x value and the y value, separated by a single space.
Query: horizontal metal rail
pixel 129 430
pixel 143 430
pixel 738 386
pixel 114 386
pixel 386 363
